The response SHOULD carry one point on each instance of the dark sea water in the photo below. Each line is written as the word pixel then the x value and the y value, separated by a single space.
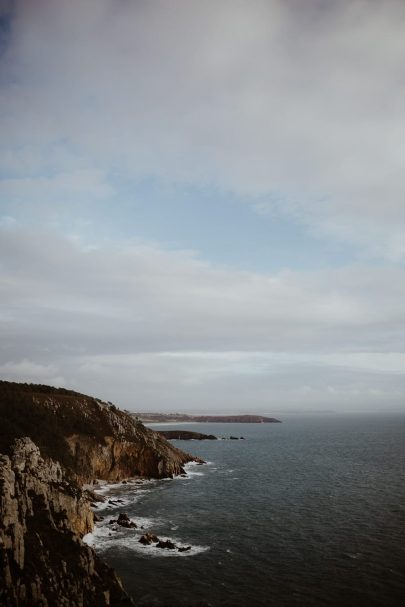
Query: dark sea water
pixel 307 512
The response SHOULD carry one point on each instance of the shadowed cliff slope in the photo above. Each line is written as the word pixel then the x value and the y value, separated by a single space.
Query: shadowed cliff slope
pixel 43 560
pixel 52 442
pixel 90 438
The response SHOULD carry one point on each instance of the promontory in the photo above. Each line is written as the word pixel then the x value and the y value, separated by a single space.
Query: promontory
pixel 54 443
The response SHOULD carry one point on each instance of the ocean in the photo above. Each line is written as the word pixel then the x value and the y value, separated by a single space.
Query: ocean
pixel 307 512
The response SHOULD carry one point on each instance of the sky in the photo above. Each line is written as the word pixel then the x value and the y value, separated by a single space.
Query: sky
pixel 202 203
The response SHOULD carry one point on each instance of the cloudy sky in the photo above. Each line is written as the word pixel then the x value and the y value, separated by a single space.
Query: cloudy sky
pixel 202 203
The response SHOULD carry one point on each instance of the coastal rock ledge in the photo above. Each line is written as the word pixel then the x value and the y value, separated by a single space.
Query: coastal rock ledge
pixel 43 560
pixel 54 445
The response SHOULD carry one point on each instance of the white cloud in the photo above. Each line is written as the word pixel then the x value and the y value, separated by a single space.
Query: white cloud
pixel 31 372
pixel 266 99
pixel 151 327
pixel 295 107
pixel 76 186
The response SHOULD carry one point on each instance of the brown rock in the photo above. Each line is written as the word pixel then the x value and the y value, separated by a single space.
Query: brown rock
pixel 166 544
pixel 125 521
pixel 148 538
pixel 43 560
pixel 88 437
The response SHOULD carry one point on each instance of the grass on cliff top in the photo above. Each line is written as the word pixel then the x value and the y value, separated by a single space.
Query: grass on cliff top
pixel 48 415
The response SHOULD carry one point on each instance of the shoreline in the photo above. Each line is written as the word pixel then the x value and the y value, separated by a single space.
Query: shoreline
pixel 116 498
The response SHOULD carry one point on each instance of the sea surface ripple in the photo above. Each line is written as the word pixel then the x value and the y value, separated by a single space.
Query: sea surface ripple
pixel 307 512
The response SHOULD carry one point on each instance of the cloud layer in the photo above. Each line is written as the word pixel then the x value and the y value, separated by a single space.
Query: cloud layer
pixel 161 329
pixel 296 107
pixel 293 109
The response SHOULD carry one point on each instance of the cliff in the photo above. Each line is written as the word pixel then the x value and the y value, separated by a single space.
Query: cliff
pixel 42 518
pixel 90 438
pixel 52 442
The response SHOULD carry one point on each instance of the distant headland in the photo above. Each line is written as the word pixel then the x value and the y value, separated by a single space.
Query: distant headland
pixel 165 418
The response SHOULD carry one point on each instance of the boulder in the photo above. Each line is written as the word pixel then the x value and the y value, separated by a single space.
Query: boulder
pixel 166 544
pixel 148 538
pixel 125 521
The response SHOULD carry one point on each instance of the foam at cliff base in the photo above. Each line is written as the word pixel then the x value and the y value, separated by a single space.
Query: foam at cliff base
pixel 106 537
pixel 103 539
pixel 192 470
pixel 118 495
pixel 102 487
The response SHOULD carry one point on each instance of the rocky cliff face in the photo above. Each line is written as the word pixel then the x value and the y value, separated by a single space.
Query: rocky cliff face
pixel 91 438
pixel 44 513
pixel 42 519
pixel 129 449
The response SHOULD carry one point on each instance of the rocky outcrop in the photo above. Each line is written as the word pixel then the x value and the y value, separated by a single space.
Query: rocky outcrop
pixel 147 539
pixel 185 435
pixel 89 437
pixel 44 511
pixel 124 521
pixel 43 516
pixel 143 453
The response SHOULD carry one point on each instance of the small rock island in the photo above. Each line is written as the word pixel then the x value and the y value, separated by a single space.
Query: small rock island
pixel 185 435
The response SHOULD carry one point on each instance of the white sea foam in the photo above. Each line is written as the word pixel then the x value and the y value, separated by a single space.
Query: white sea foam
pixel 164 552
pixel 107 536
pixel 190 468
pixel 191 464
pixel 116 495
pixel 104 537
pixel 191 473
pixel 116 502
pixel 103 487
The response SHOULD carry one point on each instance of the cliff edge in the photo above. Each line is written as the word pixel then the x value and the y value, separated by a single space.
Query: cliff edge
pixel 90 438
pixel 53 442
pixel 43 560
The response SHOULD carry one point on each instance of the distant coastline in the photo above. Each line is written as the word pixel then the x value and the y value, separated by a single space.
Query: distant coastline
pixel 169 418
pixel 185 435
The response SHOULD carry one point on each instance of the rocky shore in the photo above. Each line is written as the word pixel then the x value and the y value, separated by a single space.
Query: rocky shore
pixel 185 435
pixel 54 443
pixel 189 435
pixel 43 560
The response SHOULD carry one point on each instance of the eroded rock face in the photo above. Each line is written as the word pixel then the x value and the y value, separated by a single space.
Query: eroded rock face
pixel 43 560
pixel 148 538
pixel 145 454
pixel 90 438
pixel 74 439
